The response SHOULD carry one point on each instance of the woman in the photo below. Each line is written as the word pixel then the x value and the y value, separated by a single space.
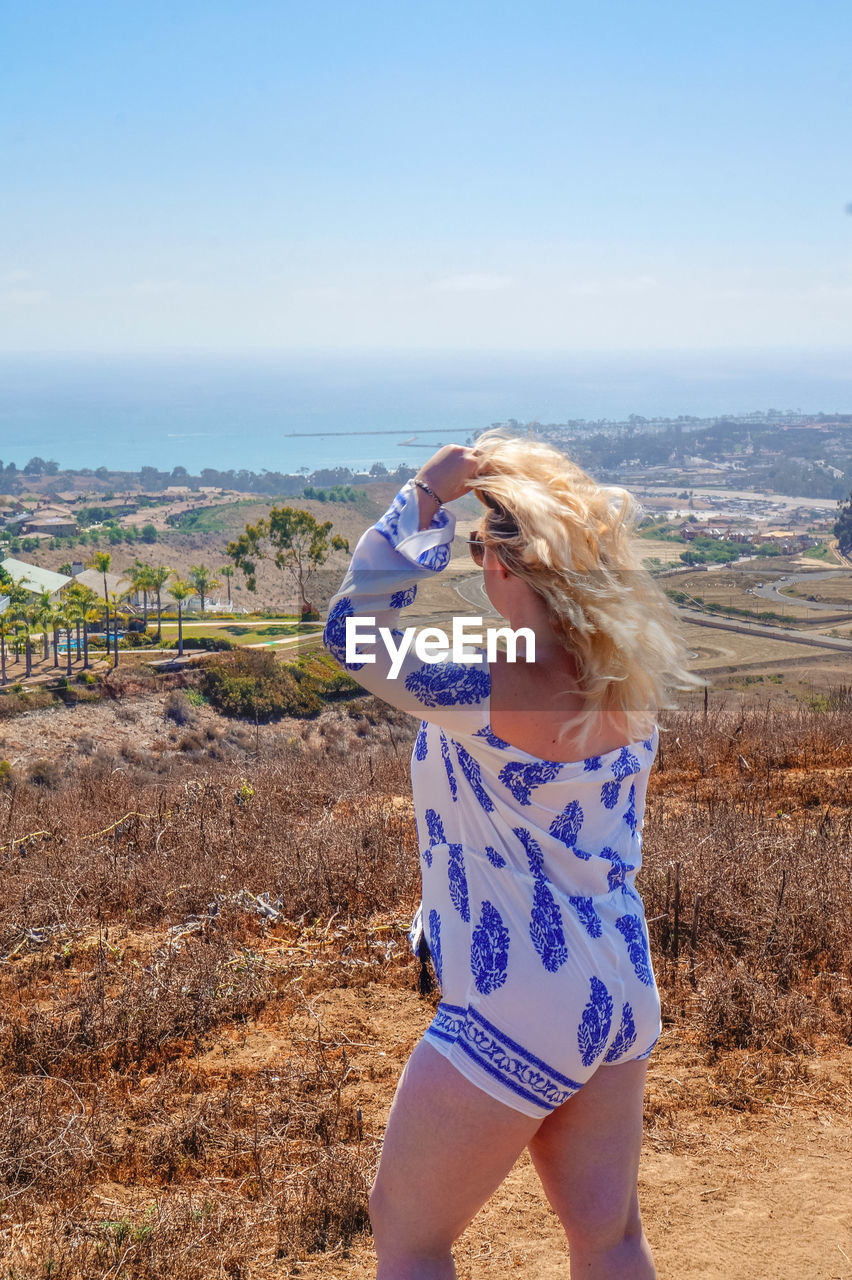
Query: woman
pixel 529 783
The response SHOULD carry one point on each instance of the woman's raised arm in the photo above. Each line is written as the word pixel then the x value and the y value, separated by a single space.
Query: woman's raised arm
pixel 365 629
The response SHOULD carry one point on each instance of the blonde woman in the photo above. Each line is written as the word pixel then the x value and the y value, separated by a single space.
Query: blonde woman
pixel 529 783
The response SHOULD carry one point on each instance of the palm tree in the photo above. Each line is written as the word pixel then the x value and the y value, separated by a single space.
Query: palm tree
pixel 91 613
pixel 6 628
pixel 19 611
pixel 159 578
pixel 55 624
pixel 102 562
pixel 141 580
pixel 227 572
pixel 115 599
pixel 27 617
pixel 65 617
pixel 203 582
pixel 180 590
pixel 41 614
pixel 83 601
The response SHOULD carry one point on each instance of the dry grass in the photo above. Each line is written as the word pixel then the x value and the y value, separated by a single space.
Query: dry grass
pixel 147 920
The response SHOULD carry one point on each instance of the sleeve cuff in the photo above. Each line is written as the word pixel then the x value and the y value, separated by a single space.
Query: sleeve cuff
pixel 427 548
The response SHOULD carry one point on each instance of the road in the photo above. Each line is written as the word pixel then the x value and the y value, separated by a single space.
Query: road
pixel 770 590
pixel 472 591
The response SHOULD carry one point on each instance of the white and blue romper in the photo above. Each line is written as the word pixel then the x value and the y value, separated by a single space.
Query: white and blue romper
pixel 530 910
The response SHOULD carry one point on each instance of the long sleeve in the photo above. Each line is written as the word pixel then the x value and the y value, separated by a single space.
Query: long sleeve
pixel 389 563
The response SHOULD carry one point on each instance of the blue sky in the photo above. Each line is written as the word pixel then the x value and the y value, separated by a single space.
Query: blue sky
pixel 343 174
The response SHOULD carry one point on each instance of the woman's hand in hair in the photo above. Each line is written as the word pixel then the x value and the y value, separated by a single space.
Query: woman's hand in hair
pixel 451 471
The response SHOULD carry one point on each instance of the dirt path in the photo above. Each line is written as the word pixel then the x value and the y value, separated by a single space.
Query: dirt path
pixel 726 1194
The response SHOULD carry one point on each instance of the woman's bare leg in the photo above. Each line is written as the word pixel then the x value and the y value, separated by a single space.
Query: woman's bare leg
pixel 587 1156
pixel 447 1147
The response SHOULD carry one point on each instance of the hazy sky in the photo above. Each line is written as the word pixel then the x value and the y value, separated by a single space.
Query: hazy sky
pixel 185 174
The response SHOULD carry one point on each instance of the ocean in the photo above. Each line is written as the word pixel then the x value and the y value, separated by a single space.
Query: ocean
pixel 291 411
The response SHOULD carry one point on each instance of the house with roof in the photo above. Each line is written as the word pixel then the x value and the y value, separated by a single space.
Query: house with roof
pixel 33 579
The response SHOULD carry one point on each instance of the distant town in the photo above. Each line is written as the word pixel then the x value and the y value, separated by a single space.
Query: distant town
pixel 769 476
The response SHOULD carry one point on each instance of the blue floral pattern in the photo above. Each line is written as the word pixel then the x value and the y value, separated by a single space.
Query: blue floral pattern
pixel 625 764
pixel 546 931
pixel 334 634
pixel 471 771
pixel 388 524
pixel 521 778
pixel 535 856
pixel 496 859
pixel 436 558
pixel 609 794
pixel 402 599
pixel 421 745
pixel 589 918
pixel 625 1037
pixel 619 871
pixel 489 950
pixel 630 811
pixel 448 765
pixel 448 684
pixel 594 1029
pixel 491 738
pixel 435 945
pixel 566 825
pixel 458 882
pixel 630 928
pixel 501 1057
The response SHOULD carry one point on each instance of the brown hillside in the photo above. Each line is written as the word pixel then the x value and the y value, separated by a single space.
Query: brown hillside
pixel 206 997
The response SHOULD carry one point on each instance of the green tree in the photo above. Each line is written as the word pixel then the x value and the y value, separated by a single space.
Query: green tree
pixel 141 580
pixel 227 572
pixel 843 527
pixel 203 581
pixel 294 540
pixel 180 590
pixel 101 562
pixel 40 611
pixel 65 616
pixel 159 578
pixel 115 599
pixel 7 628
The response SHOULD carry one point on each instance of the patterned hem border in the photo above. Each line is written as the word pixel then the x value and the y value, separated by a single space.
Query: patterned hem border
pixel 502 1057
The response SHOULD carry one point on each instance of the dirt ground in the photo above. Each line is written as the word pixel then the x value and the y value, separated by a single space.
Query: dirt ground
pixel 725 1193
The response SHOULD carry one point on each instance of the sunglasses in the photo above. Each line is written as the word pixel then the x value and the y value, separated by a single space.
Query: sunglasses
pixel 476 547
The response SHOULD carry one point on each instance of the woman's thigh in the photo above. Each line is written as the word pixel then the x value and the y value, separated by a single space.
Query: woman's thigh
pixel 587 1156
pixel 447 1147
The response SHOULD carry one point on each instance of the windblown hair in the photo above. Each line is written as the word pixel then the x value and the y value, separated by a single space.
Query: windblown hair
pixel 569 537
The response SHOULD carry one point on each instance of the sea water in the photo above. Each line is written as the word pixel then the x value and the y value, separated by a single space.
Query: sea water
pixel 291 411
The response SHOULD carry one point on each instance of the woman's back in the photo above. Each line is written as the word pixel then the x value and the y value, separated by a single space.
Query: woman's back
pixel 531 702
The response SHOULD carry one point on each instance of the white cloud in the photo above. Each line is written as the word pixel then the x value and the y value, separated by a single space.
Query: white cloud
pixel 472 282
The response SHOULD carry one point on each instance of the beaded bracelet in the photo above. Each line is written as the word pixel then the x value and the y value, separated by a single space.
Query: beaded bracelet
pixel 421 484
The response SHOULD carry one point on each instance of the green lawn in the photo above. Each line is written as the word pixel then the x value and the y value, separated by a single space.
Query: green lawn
pixel 249 632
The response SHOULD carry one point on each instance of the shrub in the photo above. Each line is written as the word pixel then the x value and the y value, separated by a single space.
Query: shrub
pixel 252 685
pixel 208 644
pixel 178 708
pixel 45 773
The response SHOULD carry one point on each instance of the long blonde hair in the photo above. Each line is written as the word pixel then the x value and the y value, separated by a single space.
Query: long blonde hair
pixel 569 538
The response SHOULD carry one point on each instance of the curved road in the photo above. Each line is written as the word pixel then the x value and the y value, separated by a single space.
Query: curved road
pixel 770 590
